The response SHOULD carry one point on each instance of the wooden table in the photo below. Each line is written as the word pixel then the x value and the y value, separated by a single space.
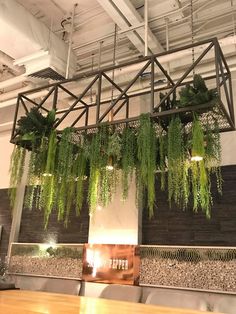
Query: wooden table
pixel 31 302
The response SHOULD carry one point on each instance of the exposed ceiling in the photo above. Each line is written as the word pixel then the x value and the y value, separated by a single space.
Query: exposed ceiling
pixel 101 25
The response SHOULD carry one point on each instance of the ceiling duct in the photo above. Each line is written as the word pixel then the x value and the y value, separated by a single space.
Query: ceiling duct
pixel 30 43
pixel 44 64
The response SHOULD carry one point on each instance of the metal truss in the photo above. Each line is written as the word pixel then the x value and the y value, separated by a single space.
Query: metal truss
pixel 103 109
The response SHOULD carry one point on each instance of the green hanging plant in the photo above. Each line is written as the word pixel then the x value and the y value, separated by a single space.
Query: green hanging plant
pixel 199 173
pixel 114 147
pixel 176 158
pixel 128 160
pixel 33 126
pixel 65 176
pixel 213 153
pixel 146 155
pixel 111 146
pixel 48 184
pixel 16 171
pixel 186 185
pixel 80 164
pixel 37 166
pixel 196 94
pixel 198 142
pixel 106 186
pixel 31 182
pixel 163 147
pixel 201 188
pixel 97 160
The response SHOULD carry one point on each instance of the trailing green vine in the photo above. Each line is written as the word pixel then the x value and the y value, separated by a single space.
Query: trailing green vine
pixel 80 164
pixel 16 171
pixel 128 161
pixel 176 158
pixel 65 177
pixel 200 175
pixel 184 148
pixel 146 155
pixel 48 184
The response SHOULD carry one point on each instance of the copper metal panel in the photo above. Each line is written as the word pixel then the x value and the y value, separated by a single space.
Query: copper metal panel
pixel 111 263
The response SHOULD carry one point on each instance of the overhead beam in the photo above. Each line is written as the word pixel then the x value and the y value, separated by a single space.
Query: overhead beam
pixel 125 15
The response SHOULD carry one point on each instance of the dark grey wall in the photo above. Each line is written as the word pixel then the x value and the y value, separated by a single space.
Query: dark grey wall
pixel 32 228
pixel 176 227
pixel 169 226
pixel 5 221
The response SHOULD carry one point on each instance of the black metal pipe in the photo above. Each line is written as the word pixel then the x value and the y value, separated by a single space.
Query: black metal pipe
pixel 154 115
pixel 119 108
pixel 110 68
pixel 225 86
pixel 55 96
pixel 231 97
pixel 216 48
pixel 152 85
pixel 40 105
pixel 185 74
pixel 164 72
pixel 79 117
pixel 76 101
pixel 24 105
pixel 15 117
pixel 231 123
pixel 124 91
pixel 113 83
pixel 98 100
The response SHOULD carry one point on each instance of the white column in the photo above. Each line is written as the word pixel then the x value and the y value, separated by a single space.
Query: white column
pixel 118 223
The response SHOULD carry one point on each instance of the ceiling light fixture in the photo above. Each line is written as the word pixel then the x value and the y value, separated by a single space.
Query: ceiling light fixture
pixel 196 158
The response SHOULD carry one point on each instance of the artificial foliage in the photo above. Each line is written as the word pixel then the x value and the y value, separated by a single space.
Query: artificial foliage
pixel 146 155
pixel 69 168
pixel 16 171
pixel 197 93
pixel 176 158
pixel 128 160
pixel 34 125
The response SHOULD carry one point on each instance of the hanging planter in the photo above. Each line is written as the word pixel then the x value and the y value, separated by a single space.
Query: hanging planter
pixel 170 139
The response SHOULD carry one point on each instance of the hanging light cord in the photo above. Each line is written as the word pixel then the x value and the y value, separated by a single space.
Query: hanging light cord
pixel 192 33
pixel 233 19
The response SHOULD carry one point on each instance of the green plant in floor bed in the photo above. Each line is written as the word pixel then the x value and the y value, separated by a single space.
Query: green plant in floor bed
pixel 146 155
pixel 128 160
pixel 16 171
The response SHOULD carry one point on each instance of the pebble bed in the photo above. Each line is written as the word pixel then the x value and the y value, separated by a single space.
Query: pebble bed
pixel 207 275
pixel 46 266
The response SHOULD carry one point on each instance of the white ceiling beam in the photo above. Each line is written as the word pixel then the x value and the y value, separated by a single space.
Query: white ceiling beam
pixel 125 15
pixel 132 15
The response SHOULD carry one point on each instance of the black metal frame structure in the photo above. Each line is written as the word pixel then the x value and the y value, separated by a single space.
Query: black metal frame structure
pixel 81 108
